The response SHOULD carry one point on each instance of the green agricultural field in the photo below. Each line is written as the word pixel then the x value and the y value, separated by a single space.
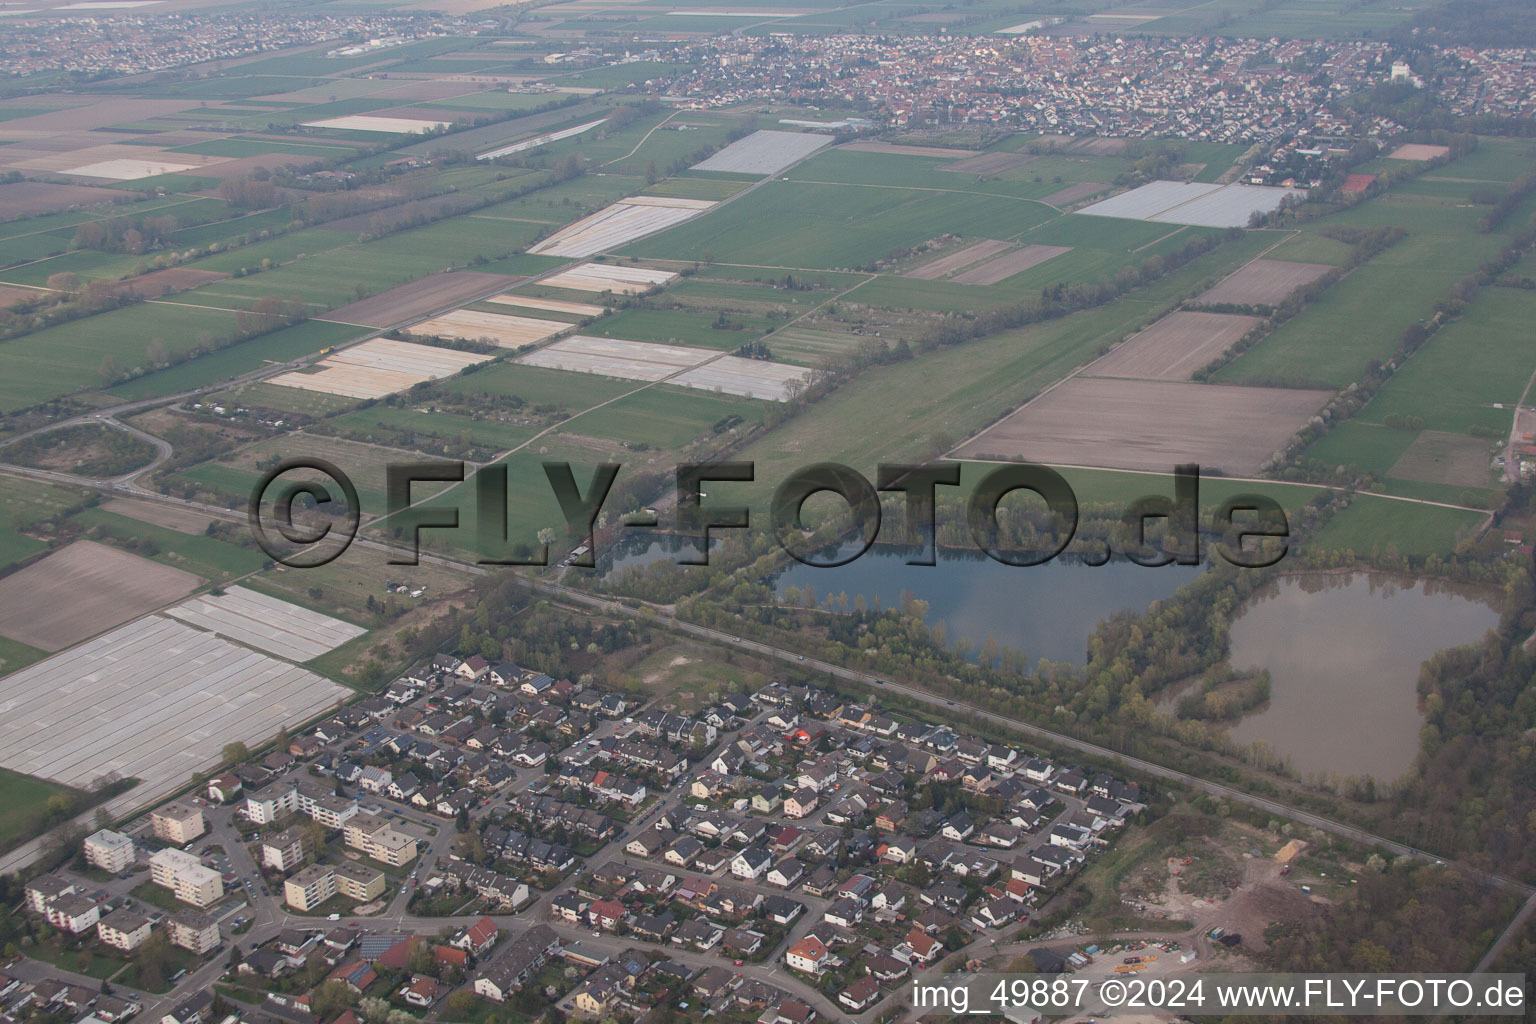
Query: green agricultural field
pixel 1034 180
pixel 279 250
pixel 348 272
pixel 787 224
pixel 639 149
pixel 696 188
pixel 1365 445
pixel 619 75
pixel 366 464
pixel 23 800
pixel 531 504
pixel 663 417
pixel 1083 264
pixel 1481 359
pixel 15 656
pixel 1311 247
pixel 285 399
pixel 808 346
pixel 1362 317
pixel 1373 523
pixel 22 505
pixel 278 347
pixel 536 386
pixel 682 327
pixel 207 557
pixel 58 360
pixel 399 427
pixel 236 147
pixel 947 394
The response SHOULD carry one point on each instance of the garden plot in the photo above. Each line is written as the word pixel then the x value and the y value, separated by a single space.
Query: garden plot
pixel 764 152
pixel 600 277
pixel 379 367
pixel 505 330
pixel 387 125
pixel 1149 425
pixel 619 224
pixel 1174 347
pixel 155 700
pixel 1202 205
pixel 946 265
pixel 553 305
pixel 266 623
pixel 82 589
pixel 1263 283
pixel 613 357
pixel 749 378
pixel 1005 266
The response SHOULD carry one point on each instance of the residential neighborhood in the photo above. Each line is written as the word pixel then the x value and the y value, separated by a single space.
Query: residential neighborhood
pixel 489 834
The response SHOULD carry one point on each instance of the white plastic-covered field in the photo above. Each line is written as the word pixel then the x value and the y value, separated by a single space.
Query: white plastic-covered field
pixel 266 623
pixel 368 123
pixel 553 305
pixel 540 140
pixel 764 152
pixel 686 367
pixel 614 357
pixel 502 328
pixel 1194 203
pixel 619 224
pixel 749 378
pixel 128 169
pixel 379 367
pixel 154 700
pixel 600 277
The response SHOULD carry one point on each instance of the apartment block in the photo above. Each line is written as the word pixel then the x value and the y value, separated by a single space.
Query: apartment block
pixel 178 823
pixel 186 876
pixel 374 837
pixel 193 931
pixel 283 851
pixel 319 882
pixel 123 929
pixel 108 850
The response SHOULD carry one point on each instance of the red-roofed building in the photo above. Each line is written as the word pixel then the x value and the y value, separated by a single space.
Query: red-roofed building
pixel 479 937
pixel 606 913
pixel 807 955
pixel 447 956
pixel 422 992
pixel 357 976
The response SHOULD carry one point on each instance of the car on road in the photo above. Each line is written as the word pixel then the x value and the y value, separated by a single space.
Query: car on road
pixel 799 657
pixel 950 703
pixel 738 963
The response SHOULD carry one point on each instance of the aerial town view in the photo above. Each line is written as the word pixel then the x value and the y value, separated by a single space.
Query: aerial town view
pixel 768 511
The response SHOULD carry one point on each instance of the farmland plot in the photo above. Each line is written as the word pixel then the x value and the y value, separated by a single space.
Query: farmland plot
pixel 600 277
pixel 1174 347
pixel 505 330
pixel 764 152
pixel 379 367
pixel 619 224
pixel 265 623
pixel 1263 283
pixel 155 700
pixel 82 589
pixel 1149 425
